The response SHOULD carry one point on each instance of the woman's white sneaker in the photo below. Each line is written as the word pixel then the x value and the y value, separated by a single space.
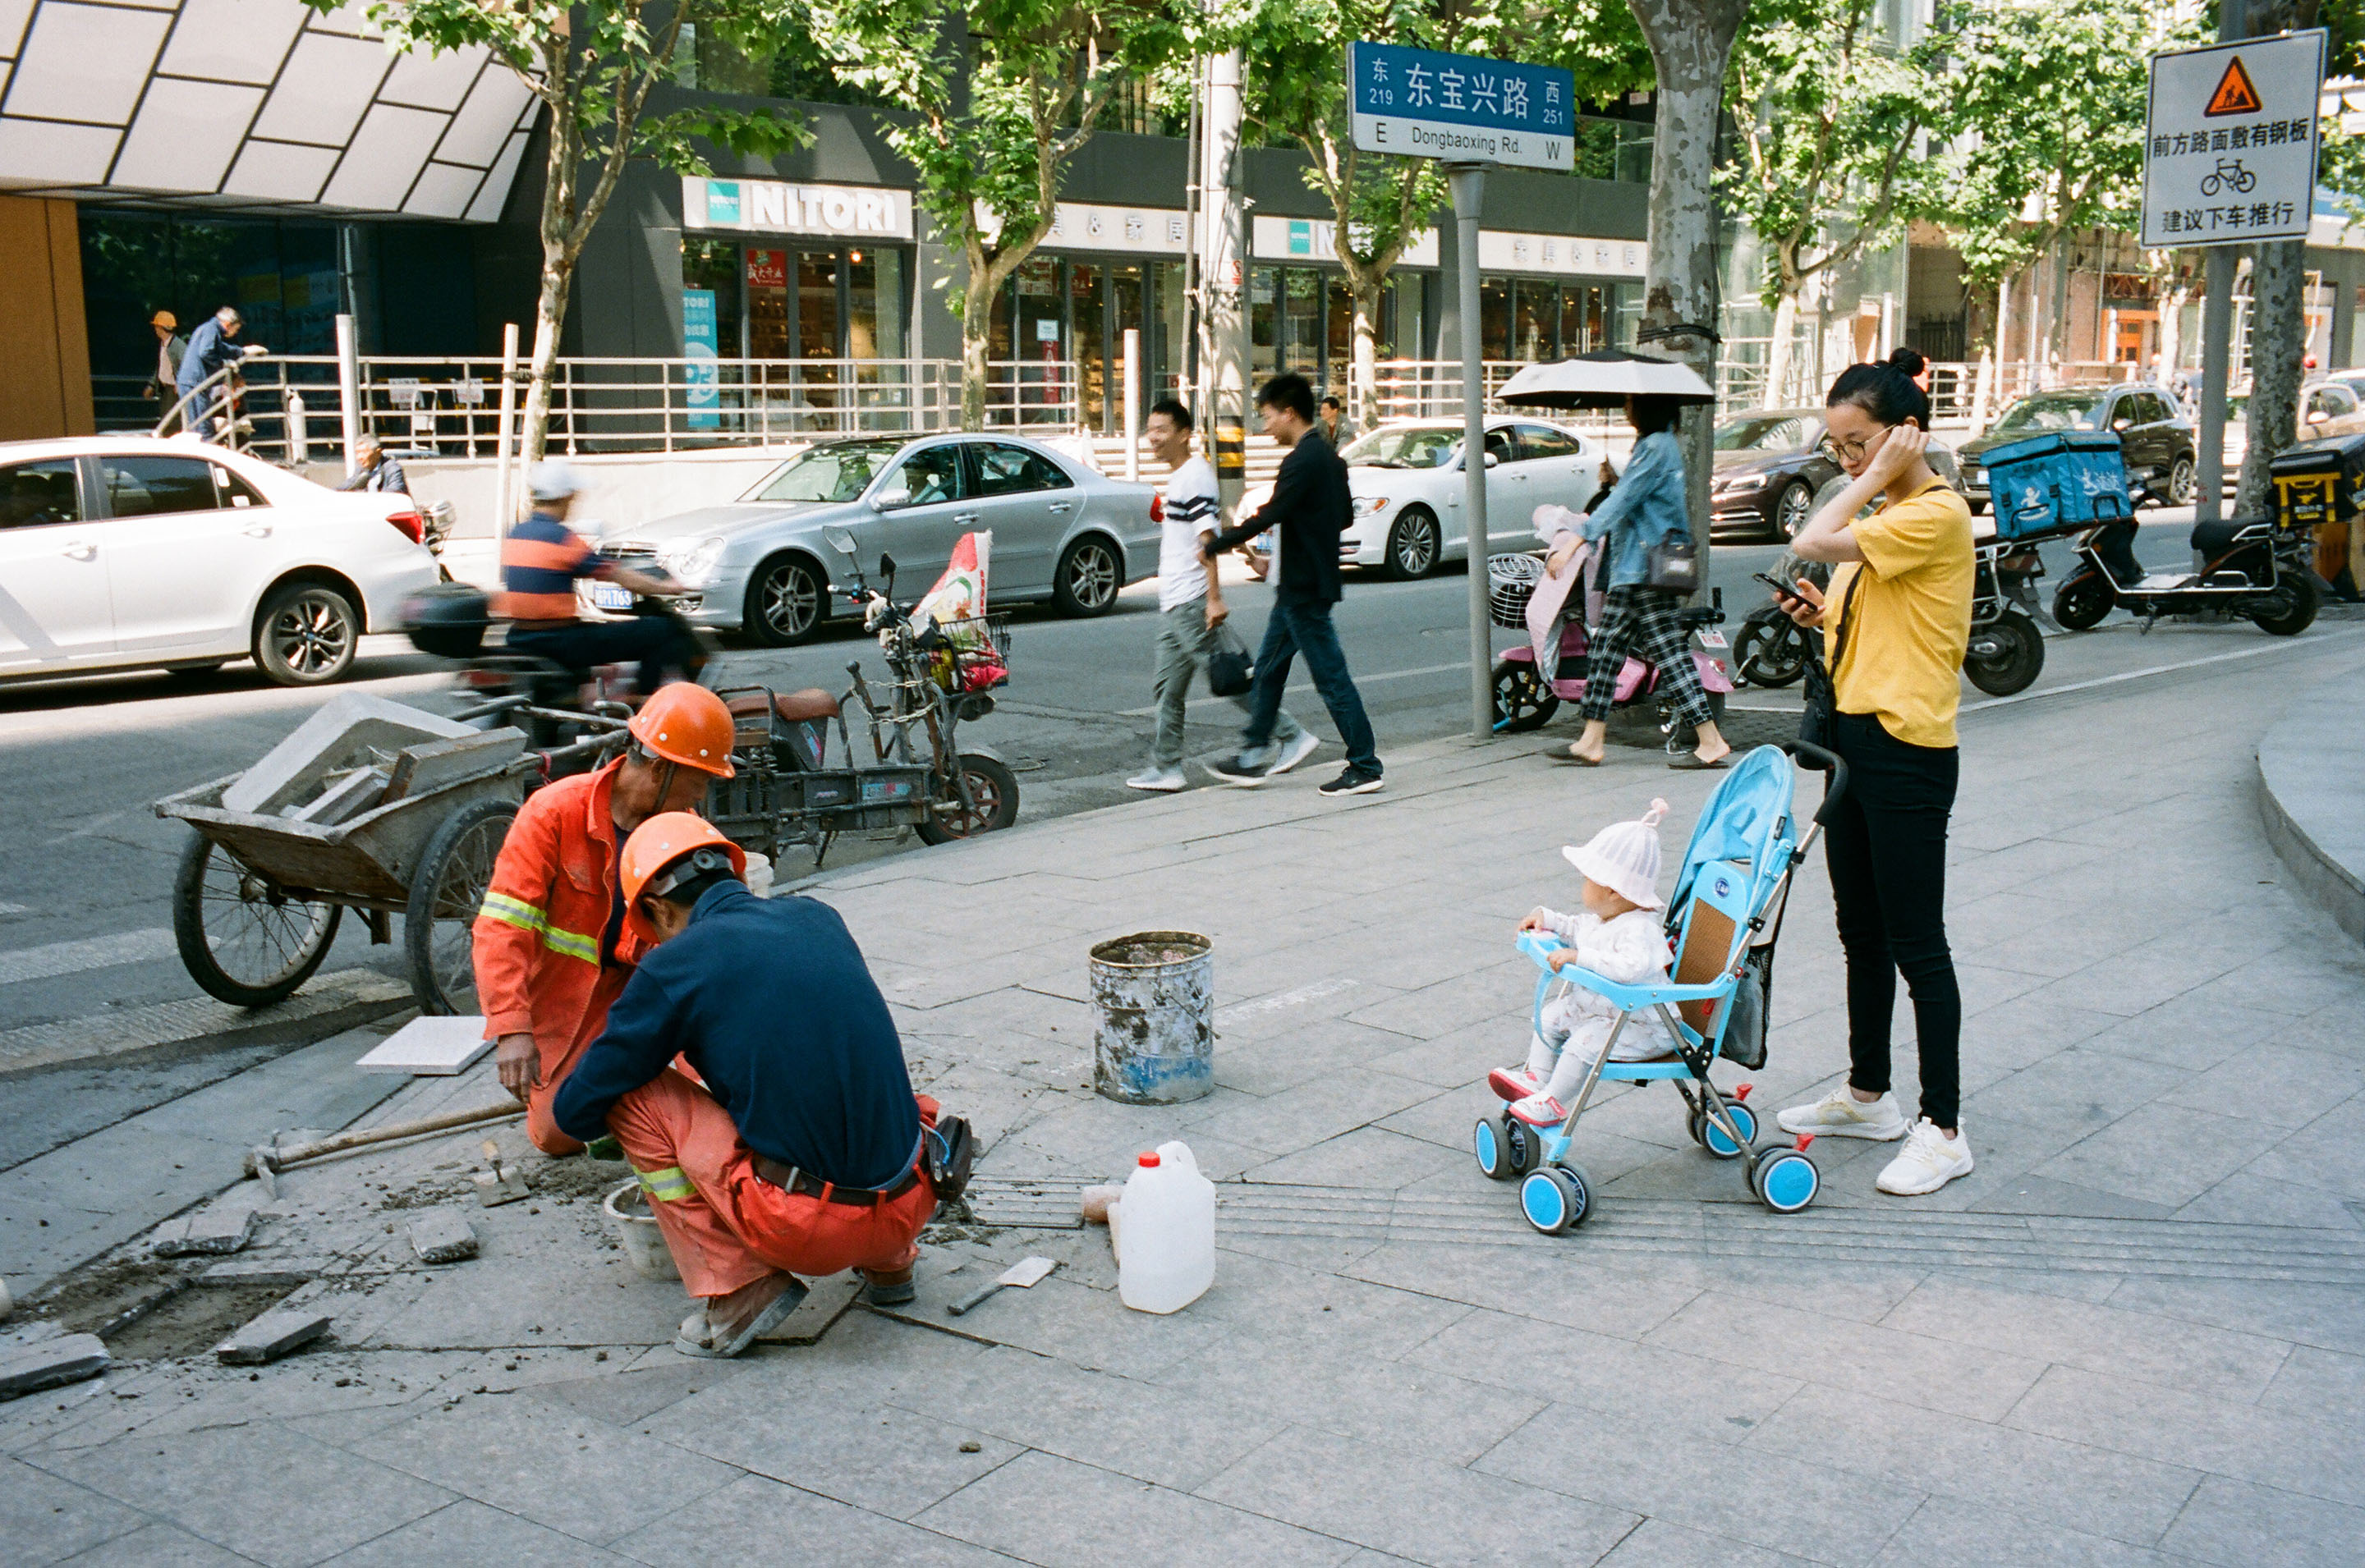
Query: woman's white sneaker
pixel 1841 1115
pixel 1928 1161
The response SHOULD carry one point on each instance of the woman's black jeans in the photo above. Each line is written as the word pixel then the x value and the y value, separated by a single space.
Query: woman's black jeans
pixel 1886 847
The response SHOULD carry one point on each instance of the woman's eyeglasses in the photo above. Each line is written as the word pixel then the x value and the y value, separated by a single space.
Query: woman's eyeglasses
pixel 1854 450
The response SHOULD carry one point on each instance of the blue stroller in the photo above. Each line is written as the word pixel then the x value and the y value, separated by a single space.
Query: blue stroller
pixel 1724 917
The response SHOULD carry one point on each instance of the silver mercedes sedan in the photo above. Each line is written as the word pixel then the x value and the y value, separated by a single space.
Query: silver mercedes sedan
pixel 1062 531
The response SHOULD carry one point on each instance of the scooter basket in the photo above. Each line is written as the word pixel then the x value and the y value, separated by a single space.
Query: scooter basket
pixel 1510 582
pixel 2060 483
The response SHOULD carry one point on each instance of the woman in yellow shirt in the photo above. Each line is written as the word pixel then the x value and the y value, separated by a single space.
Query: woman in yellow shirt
pixel 1895 618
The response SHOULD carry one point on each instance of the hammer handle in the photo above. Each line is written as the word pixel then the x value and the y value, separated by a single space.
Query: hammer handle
pixel 282 1158
pixel 973 1297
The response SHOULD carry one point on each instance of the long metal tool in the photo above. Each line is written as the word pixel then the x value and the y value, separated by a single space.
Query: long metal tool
pixel 265 1162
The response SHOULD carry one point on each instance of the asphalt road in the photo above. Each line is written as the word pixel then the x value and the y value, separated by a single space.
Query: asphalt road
pixel 86 942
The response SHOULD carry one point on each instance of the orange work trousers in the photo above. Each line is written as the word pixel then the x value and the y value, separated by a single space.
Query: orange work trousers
pixel 727 1227
pixel 559 1059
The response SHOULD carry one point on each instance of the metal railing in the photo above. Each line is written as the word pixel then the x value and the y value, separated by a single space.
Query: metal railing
pixel 1954 385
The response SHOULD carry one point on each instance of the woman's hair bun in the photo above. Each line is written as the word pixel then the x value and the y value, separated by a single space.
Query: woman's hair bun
pixel 1912 362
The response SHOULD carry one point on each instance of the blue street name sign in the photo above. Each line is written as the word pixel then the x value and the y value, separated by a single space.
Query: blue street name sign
pixel 1460 108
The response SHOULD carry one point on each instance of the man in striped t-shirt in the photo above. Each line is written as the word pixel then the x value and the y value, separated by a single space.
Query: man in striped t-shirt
pixel 540 561
pixel 1189 600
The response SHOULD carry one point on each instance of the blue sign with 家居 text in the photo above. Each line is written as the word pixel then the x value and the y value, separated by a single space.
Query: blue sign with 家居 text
pixel 1421 103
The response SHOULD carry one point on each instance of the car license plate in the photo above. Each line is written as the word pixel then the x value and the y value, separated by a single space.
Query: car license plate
pixel 1712 639
pixel 611 596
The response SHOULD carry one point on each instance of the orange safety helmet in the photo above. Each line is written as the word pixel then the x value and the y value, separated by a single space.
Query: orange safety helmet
pixel 686 723
pixel 658 844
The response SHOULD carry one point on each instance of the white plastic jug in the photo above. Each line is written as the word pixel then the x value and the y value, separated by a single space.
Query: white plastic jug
pixel 1166 1248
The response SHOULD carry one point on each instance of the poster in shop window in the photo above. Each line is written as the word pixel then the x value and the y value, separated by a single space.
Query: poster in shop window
pixel 699 348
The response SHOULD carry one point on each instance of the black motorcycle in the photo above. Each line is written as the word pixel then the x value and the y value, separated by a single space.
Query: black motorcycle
pixel 2005 655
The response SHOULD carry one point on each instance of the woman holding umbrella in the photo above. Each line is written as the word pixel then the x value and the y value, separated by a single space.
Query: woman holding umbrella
pixel 1645 509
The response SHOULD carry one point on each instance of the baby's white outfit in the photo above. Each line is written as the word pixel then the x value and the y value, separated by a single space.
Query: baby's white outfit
pixel 1576 1023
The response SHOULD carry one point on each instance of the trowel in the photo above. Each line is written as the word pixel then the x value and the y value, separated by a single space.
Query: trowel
pixel 1022 1274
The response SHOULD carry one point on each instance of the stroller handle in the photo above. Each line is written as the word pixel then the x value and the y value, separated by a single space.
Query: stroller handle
pixel 1822 761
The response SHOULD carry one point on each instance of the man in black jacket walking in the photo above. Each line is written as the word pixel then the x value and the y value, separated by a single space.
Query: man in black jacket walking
pixel 1311 507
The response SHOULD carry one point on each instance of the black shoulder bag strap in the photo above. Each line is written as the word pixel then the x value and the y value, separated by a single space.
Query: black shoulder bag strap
pixel 1818 718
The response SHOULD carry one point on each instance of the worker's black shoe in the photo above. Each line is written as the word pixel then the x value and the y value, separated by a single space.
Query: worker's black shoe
pixel 884 1287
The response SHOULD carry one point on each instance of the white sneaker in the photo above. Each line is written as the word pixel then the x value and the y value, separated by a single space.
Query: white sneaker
pixel 1540 1110
pixel 1295 751
pixel 1165 780
pixel 1928 1161
pixel 1841 1115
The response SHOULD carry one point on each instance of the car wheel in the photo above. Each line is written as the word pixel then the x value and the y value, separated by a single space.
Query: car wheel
pixel 306 635
pixel 2182 483
pixel 1089 577
pixel 1413 545
pixel 785 602
pixel 1792 509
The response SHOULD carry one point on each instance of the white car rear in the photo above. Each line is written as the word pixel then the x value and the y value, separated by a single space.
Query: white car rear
pixel 124 553
pixel 1406 479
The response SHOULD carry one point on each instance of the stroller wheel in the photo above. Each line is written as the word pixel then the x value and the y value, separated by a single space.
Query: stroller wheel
pixel 1556 1199
pixel 1486 1143
pixel 1523 1146
pixel 1786 1180
pixel 1716 1141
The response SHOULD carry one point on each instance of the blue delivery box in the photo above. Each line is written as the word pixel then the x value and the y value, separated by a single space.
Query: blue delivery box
pixel 2057 482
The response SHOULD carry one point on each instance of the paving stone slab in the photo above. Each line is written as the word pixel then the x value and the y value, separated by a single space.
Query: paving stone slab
pixel 222 1228
pixel 441 1236
pixel 747 1523
pixel 277 1333
pixel 2248 1526
pixel 50 1362
pixel 469 1532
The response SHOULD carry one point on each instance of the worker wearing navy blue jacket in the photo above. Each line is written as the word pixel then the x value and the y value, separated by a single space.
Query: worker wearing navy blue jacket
pixel 799 1150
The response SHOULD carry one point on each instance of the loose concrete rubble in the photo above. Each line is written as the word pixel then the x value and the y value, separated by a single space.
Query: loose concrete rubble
pixel 50 1361
pixel 272 1336
pixel 440 1236
pixel 349 730
pixel 209 1231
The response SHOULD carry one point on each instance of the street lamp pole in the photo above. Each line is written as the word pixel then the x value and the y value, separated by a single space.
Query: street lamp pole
pixel 2216 334
pixel 1468 184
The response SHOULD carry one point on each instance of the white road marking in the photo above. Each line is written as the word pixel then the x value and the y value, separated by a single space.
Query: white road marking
pixel 169 1023
pixel 92 952
pixel 2280 646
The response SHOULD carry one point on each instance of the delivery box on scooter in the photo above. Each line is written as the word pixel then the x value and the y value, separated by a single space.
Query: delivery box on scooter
pixel 2319 482
pixel 2058 482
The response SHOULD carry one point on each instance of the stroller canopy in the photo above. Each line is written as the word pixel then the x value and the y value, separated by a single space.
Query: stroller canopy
pixel 1748 820
pixel 1604 379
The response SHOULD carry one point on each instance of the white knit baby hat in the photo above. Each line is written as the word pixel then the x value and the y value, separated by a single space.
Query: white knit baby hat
pixel 1624 857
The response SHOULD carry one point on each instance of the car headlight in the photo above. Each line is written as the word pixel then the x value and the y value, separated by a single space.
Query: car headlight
pixel 691 561
pixel 1742 485
pixel 1366 506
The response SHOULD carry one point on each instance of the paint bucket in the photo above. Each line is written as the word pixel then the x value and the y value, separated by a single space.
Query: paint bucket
pixel 628 1214
pixel 1154 1017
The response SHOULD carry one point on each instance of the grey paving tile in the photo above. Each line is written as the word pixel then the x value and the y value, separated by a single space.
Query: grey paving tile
pixel 2331 1318
pixel 1714 1400
pixel 1371 1159
pixel 1655 1544
pixel 1528 1283
pixel 881 1458
pixel 2163 1154
pixel 1344 1389
pixel 2245 1198
pixel 1977 1535
pixel 158 1546
pixel 2244 1525
pixel 1938 1374
pixel 1061 1514
pixel 2067 1483
pixel 1116 1423
pixel 468 1531
pixel 2104 1340
pixel 756 1522
pixel 501 1451
pixel 2295 1451
pixel 1424 1509
pixel 2021 1193
pixel 2075 1092
pixel 2327 1154
pixel 2325 1384
pixel 261 1492
pixel 1770 1500
pixel 2283 1086
pixel 1301 1117
pixel 48 1519
pixel 1091 1329
pixel 624 1398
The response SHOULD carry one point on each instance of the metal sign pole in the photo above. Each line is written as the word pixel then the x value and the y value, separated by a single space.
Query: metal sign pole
pixel 1468 183
pixel 2217 359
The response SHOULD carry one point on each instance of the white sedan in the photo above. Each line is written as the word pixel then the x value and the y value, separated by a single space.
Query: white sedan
pixel 1406 479
pixel 130 553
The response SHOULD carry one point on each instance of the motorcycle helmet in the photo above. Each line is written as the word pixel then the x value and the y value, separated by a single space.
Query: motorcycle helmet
pixel 447 619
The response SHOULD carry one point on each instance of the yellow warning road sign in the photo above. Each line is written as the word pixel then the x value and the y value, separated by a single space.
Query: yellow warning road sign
pixel 2235 94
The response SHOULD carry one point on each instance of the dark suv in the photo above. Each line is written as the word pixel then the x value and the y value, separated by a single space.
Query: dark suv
pixel 2150 425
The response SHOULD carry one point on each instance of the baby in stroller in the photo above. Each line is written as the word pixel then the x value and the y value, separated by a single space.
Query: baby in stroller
pixel 1616 935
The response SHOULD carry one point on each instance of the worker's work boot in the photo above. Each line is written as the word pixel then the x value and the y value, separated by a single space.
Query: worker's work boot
pixel 733 1322
pixel 888 1287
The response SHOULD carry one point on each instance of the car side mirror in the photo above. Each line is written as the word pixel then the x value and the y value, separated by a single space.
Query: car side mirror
pixel 1492 460
pixel 2319 416
pixel 2122 423
pixel 894 493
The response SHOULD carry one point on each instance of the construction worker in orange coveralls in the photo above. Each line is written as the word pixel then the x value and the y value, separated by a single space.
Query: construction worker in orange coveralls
pixel 800 1148
pixel 551 948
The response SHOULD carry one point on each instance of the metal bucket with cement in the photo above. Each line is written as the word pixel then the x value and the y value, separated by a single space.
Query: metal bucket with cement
pixel 1154 1017
pixel 628 1214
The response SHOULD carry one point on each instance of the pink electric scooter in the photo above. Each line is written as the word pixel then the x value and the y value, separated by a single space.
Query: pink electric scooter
pixel 1531 685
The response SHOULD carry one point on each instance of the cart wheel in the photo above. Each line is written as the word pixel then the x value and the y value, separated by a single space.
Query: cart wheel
pixel 445 891
pixel 1716 1141
pixel 1486 1142
pixel 1556 1199
pixel 1786 1180
pixel 244 941
pixel 1523 1146
pixel 993 791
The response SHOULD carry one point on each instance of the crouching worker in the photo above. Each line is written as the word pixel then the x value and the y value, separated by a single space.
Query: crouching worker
pixel 804 1151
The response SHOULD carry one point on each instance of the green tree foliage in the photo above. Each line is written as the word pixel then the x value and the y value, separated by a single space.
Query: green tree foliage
pixel 1829 161
pixel 1000 95
pixel 595 65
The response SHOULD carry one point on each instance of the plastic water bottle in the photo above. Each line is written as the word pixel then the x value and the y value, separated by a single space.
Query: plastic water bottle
pixel 1166 1251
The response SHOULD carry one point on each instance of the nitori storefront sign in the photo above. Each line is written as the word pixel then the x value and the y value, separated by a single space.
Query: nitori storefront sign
pixel 775 207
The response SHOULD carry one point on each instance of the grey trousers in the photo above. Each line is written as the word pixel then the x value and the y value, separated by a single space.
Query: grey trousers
pixel 1184 641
